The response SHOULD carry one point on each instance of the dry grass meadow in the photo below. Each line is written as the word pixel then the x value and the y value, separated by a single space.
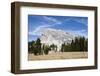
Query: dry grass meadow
pixel 59 55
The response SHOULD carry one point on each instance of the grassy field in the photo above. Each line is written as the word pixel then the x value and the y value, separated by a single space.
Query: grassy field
pixel 59 55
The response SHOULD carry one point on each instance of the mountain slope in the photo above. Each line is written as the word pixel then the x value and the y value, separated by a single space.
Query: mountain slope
pixel 57 37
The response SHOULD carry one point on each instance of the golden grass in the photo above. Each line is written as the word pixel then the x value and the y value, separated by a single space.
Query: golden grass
pixel 59 55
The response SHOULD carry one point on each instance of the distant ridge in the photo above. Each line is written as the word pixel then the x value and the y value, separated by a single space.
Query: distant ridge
pixel 58 37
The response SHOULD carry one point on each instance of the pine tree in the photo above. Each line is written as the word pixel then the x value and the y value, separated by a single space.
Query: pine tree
pixel 78 44
pixel 46 49
pixel 30 46
pixel 38 46
pixel 63 47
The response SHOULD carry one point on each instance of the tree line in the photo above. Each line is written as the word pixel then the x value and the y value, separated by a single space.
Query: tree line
pixel 37 48
pixel 78 44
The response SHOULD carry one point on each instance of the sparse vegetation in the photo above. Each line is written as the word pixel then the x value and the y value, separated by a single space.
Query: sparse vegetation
pixel 79 44
pixel 46 49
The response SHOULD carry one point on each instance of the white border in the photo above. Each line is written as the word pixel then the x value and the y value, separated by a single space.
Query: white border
pixel 25 64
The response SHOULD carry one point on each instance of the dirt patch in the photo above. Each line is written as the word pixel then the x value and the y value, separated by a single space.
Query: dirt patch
pixel 59 55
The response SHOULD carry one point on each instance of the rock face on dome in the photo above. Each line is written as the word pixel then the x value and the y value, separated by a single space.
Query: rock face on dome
pixel 57 37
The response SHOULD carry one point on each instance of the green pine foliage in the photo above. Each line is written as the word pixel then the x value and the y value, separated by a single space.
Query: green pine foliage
pixel 79 44
pixel 31 46
pixel 35 48
pixel 46 49
pixel 38 46
pixel 53 47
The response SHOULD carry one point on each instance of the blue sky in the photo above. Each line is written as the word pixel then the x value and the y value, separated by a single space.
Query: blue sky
pixel 72 24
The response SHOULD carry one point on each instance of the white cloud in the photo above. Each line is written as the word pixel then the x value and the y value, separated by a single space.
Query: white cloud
pixel 82 21
pixel 38 30
pixel 78 32
pixel 51 19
